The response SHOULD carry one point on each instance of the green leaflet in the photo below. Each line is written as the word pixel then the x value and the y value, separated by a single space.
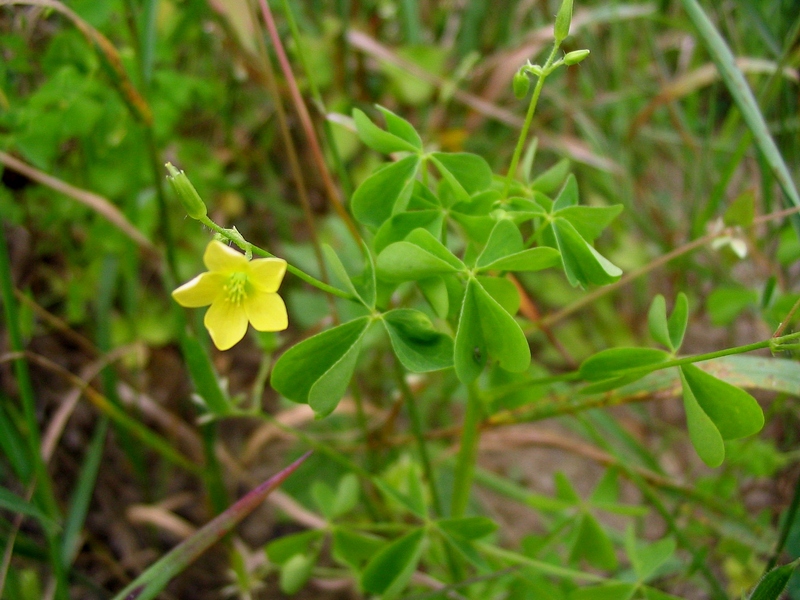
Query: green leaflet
pixel 385 192
pixel 549 181
pixel 716 411
pixel 361 286
pixel 378 139
pixel 668 332
pixel 505 239
pixel 568 196
pixel 420 256
pixel 735 412
pixel 418 346
pixel 582 263
pixel 317 370
pixel 401 224
pixel 614 362
pixel 590 221
pixel 485 330
pixel 354 548
pixel 466 173
pixel 593 544
pixel 773 583
pixel 390 570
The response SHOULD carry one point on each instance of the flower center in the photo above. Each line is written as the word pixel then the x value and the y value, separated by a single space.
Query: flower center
pixel 236 288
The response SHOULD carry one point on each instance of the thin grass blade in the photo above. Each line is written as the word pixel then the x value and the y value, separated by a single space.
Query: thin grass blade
pixel 158 575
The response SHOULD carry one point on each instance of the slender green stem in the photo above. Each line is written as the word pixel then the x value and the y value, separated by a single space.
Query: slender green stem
pixel 676 362
pixel 467 454
pixel 417 428
pixel 537 565
pixel 523 134
pixel 236 237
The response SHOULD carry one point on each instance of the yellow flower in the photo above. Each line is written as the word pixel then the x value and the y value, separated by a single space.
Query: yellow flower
pixel 238 290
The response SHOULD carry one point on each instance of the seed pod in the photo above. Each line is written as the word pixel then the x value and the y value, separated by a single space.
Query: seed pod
pixel 574 57
pixel 563 20
pixel 521 84
pixel 191 200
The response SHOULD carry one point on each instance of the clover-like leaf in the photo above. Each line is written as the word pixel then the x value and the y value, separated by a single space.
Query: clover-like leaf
pixel 568 195
pixel 390 570
pixel 582 263
pixel 318 370
pixel 678 320
pixel 735 413
pixel 418 346
pixel 385 192
pixel 466 173
pixel 401 224
pixel 504 239
pixel 419 256
pixel 553 177
pixel 614 362
pixel 593 544
pixel 400 127
pixel 657 322
pixel 704 434
pixel 486 329
pixel 378 139
pixel 590 221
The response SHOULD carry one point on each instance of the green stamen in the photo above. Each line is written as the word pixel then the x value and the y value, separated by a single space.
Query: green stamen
pixel 236 288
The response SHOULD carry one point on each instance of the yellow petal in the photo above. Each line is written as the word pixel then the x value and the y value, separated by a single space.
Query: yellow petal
pixel 222 258
pixel 266 311
pixel 226 322
pixel 200 291
pixel 267 273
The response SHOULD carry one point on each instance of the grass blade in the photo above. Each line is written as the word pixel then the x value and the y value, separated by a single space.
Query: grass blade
pixel 743 96
pixel 82 495
pixel 156 577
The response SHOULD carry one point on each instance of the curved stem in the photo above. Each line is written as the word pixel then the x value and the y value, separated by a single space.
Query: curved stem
pixel 523 134
pixel 250 249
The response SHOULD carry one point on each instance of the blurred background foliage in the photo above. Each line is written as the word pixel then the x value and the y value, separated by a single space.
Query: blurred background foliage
pixel 645 122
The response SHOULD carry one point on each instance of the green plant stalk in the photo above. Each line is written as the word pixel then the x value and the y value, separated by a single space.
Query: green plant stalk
pixel 419 434
pixel 523 134
pixel 676 362
pixel 467 453
pixel 537 565
pixel 250 249
pixel 159 574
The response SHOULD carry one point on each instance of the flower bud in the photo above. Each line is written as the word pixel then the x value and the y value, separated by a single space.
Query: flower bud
pixel 574 57
pixel 192 203
pixel 521 84
pixel 563 20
